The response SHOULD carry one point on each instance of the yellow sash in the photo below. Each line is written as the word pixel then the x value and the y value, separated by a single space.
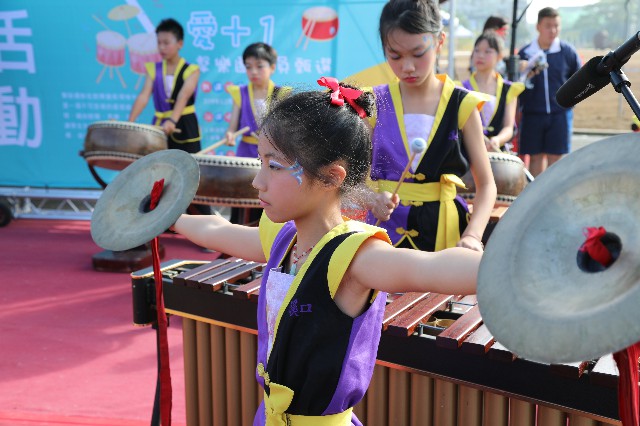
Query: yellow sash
pixel 278 401
pixel 250 139
pixel 190 109
pixel 448 233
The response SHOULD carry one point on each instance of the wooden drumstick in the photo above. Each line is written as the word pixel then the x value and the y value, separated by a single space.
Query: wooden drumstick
pixel 418 145
pixel 487 141
pixel 222 141
pixel 174 130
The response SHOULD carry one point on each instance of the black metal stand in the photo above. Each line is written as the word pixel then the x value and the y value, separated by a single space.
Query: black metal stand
pixel 155 414
pixel 513 61
pixel 622 85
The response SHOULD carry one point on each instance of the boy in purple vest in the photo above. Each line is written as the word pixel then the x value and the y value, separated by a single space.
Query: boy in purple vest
pixel 173 83
pixel 251 101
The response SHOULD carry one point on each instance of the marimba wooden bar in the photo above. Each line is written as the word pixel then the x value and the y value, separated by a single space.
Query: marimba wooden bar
pixel 425 374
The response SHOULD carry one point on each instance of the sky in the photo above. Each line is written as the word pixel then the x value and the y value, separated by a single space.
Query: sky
pixel 536 5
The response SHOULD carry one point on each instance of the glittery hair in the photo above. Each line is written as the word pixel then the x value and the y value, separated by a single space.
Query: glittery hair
pixel 305 127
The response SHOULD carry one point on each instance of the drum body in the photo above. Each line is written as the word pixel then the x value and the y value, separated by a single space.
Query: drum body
pixel 227 181
pixel 509 174
pixel 110 50
pixel 116 144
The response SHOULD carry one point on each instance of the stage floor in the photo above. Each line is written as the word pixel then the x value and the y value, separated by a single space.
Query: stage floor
pixel 70 352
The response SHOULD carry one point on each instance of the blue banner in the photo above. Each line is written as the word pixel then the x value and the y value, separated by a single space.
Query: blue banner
pixel 66 64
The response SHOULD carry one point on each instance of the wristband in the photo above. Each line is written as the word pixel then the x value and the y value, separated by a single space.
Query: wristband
pixel 172 120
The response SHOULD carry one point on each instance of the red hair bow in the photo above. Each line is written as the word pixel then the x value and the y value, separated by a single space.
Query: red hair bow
pixel 341 93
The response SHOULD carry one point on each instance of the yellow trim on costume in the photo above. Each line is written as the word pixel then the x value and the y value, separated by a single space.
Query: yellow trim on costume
pixel 447 89
pixel 151 69
pixel 249 139
pixel 175 72
pixel 268 231
pixel 499 86
pixel 372 184
pixel 448 232
pixel 473 100
pixel 278 400
pixel 196 139
pixel 284 91
pixel 514 91
pixel 189 109
pixel 191 68
pixel 234 91
pixel 342 256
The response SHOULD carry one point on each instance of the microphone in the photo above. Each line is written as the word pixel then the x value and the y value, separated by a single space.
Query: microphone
pixel 616 59
pixel 584 83
pixel 594 75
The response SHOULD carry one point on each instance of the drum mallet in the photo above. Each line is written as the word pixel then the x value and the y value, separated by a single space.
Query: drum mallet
pixel 223 140
pixel 417 146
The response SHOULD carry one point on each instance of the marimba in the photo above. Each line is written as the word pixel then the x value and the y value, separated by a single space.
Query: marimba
pixel 426 374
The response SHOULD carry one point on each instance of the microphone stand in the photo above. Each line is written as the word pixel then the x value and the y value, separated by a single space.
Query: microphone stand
pixel 513 63
pixel 622 85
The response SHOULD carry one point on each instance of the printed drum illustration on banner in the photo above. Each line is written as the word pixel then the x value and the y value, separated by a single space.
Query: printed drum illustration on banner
pixel 110 53
pixel 143 48
pixel 319 24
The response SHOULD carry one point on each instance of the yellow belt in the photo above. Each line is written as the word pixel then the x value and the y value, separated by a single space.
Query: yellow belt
pixel 191 109
pixel 250 139
pixel 448 233
pixel 278 401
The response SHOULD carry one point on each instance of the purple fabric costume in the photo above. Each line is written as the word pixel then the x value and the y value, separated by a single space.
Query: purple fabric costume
pixel 247 146
pixel 445 155
pixel 188 139
pixel 356 367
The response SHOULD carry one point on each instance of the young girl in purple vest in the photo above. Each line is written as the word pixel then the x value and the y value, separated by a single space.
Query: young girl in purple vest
pixel 426 213
pixel 322 295
pixel 498 113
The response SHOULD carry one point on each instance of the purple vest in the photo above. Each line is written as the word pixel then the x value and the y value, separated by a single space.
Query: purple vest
pixel 443 156
pixel 357 366
pixel 389 157
pixel 246 119
pixel 160 98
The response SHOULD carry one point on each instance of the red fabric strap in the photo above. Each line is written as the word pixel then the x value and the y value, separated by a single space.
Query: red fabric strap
pixel 628 398
pixel 341 93
pixel 594 246
pixel 163 341
pixel 156 193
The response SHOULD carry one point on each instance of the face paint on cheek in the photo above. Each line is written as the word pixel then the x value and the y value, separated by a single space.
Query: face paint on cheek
pixel 296 171
pixel 429 41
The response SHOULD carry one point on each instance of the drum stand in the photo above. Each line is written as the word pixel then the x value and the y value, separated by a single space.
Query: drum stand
pixel 125 261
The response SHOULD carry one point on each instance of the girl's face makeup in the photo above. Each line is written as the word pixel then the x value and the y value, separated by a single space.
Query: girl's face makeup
pixel 281 184
pixel 412 56
pixel 485 57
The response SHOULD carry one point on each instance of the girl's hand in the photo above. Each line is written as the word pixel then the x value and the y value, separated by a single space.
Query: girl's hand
pixel 168 127
pixel 492 144
pixel 231 141
pixel 383 205
pixel 471 242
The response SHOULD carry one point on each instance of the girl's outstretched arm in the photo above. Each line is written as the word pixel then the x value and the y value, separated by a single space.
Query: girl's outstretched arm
pixel 485 197
pixel 379 266
pixel 217 233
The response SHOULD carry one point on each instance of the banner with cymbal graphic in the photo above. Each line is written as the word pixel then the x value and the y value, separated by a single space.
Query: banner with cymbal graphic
pixel 67 64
